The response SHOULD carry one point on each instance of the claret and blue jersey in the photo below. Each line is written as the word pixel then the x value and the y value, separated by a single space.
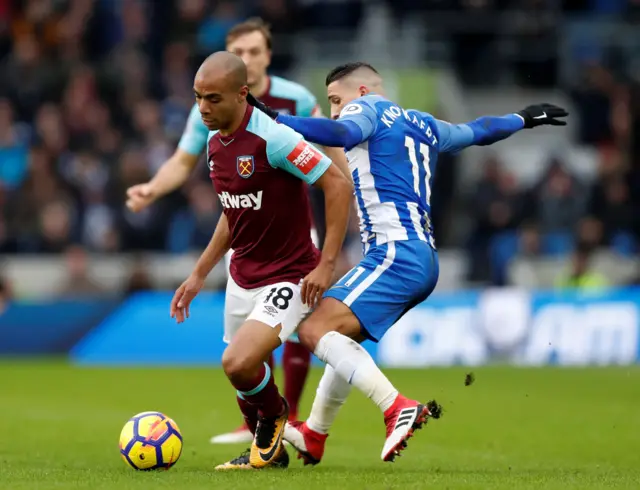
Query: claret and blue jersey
pixel 260 174
pixel 282 95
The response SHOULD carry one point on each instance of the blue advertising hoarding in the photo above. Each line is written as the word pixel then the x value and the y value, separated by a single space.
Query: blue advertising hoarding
pixel 49 327
pixel 517 327
pixel 463 328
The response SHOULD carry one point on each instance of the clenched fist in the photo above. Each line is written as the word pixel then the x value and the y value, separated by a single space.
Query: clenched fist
pixel 139 197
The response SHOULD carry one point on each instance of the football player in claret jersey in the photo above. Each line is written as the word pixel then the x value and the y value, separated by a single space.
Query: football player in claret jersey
pixel 392 155
pixel 251 41
pixel 259 170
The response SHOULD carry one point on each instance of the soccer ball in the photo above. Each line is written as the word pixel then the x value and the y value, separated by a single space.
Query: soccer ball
pixel 150 441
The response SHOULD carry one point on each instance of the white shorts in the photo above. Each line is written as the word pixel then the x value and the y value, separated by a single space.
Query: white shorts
pixel 275 304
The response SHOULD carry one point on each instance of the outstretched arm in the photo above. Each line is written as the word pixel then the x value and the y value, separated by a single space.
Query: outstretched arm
pixel 218 246
pixel 483 131
pixel 345 133
pixel 176 170
pixel 487 130
pixel 327 132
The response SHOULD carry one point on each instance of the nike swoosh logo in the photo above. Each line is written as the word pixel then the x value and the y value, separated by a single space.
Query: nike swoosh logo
pixel 268 456
pixel 544 114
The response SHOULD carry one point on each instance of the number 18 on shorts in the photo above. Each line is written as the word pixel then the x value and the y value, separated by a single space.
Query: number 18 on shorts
pixel 273 305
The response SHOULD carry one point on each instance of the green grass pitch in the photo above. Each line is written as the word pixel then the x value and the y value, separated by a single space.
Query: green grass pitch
pixel 511 429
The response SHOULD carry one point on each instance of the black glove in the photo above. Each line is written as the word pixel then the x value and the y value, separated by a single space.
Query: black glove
pixel 542 114
pixel 273 114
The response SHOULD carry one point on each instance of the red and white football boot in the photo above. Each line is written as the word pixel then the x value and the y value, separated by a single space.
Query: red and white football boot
pixel 308 443
pixel 402 419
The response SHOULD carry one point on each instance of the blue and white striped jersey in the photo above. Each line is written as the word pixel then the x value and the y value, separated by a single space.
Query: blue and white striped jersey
pixel 393 170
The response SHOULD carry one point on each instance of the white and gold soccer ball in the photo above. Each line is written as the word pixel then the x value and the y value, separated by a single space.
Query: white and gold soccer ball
pixel 150 441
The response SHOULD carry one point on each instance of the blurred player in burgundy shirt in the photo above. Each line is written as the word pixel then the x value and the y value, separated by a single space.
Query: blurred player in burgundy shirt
pixel 251 41
pixel 259 169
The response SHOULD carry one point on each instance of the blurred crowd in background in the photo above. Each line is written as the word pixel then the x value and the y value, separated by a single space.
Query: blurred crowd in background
pixel 94 95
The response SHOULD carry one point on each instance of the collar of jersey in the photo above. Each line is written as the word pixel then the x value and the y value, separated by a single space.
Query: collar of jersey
pixel 225 140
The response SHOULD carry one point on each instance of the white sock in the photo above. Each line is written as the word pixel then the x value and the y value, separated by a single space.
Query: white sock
pixel 331 394
pixel 354 364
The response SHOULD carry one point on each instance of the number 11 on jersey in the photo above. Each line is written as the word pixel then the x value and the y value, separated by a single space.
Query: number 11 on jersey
pixel 410 143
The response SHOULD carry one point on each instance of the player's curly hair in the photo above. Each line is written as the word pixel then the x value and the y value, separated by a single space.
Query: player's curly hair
pixel 342 71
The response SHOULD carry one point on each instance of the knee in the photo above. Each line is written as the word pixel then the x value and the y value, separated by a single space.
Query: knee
pixel 310 333
pixel 235 365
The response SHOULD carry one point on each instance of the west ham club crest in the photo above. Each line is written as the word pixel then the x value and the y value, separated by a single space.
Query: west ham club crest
pixel 245 166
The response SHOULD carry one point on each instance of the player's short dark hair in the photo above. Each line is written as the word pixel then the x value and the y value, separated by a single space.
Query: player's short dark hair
pixel 347 69
pixel 254 24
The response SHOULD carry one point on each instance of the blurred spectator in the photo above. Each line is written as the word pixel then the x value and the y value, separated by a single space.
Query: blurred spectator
pixel 8 242
pixel 332 14
pixel 28 78
pixel 56 227
pixel 78 282
pixel 497 205
pixel 611 204
pixel 41 214
pixel 50 130
pixel 147 124
pixel 213 30
pixel 590 232
pixel 443 194
pixel 5 294
pixel 284 19
pixel 187 18
pixel 191 228
pixel 581 274
pixel 178 80
pixel 139 279
pixel 530 242
pixel 5 24
pixel 473 47
pixel 634 129
pixel 13 147
pixel 79 105
pixel 559 198
pixel 145 230
pixel 593 100
pixel 533 26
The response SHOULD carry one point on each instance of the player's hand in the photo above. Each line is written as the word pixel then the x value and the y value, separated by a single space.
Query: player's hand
pixel 273 114
pixel 542 114
pixel 139 197
pixel 316 283
pixel 181 301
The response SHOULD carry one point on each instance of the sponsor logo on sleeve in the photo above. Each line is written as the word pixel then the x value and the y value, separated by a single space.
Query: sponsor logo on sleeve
pixel 305 157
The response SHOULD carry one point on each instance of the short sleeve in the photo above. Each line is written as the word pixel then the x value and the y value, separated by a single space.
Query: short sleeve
pixel 288 151
pixel 363 115
pixel 194 137
pixel 307 105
